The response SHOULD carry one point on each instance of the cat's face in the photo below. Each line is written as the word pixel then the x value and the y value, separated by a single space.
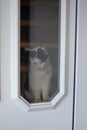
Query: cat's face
pixel 38 56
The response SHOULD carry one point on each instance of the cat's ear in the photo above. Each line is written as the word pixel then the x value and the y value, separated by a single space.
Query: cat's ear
pixel 28 49
pixel 44 48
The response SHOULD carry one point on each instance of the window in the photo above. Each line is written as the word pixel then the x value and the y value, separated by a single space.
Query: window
pixel 39 50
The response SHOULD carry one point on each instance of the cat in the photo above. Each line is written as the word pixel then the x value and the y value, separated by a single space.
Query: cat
pixel 40 73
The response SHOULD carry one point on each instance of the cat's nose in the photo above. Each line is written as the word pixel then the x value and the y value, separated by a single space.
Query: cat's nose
pixel 35 63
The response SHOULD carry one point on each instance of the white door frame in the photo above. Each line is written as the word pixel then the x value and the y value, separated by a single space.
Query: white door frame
pixel 15 56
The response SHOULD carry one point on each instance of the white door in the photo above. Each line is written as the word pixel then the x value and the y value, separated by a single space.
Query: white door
pixel 81 69
pixel 15 112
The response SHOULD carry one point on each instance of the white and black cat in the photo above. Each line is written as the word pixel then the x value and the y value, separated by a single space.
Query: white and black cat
pixel 40 73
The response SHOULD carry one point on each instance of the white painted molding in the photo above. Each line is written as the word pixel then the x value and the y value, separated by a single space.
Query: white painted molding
pixel 15 67
pixel 0 50
pixel 14 48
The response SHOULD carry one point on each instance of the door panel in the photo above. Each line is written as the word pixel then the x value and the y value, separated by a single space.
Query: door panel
pixel 59 117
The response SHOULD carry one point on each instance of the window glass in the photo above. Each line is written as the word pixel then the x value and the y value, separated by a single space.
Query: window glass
pixel 39 49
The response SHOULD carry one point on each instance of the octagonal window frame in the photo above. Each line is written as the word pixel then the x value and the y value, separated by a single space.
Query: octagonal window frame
pixel 15 65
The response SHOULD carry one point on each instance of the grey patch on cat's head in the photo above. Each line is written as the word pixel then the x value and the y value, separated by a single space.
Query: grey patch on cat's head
pixel 39 53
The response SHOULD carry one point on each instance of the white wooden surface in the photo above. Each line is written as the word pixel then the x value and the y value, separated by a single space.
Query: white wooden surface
pixel 12 117
pixel 81 73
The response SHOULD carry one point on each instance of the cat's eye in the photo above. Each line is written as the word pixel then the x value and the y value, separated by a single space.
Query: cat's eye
pixel 32 54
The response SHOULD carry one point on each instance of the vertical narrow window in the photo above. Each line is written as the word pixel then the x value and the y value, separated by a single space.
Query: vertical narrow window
pixel 39 49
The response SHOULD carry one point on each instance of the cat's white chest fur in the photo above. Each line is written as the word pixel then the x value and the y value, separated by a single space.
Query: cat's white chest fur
pixel 39 80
